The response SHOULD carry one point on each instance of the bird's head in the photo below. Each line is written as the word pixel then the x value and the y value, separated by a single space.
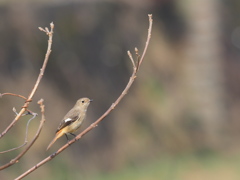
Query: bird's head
pixel 83 102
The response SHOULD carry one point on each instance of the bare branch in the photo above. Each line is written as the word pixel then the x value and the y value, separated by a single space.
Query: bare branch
pixel 14 109
pixel 25 141
pixel 93 125
pixel 42 70
pixel 12 94
pixel 16 159
pixel 132 60
pixel 148 39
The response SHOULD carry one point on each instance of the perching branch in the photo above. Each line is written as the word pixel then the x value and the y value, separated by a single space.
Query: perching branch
pixel 16 159
pixel 42 70
pixel 136 66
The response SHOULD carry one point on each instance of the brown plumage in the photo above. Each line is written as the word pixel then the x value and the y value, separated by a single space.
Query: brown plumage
pixel 72 120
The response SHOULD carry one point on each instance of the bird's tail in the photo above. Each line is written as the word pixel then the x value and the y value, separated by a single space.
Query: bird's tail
pixel 58 135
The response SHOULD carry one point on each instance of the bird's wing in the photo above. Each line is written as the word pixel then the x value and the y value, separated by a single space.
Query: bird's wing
pixel 68 119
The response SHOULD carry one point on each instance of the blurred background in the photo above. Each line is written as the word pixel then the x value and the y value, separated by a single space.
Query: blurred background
pixel 179 121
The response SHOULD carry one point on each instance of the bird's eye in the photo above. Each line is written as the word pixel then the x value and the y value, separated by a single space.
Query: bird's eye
pixel 82 101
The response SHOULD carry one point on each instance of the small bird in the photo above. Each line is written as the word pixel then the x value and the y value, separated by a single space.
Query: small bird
pixel 72 120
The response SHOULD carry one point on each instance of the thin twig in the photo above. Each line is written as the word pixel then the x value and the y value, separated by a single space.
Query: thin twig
pixel 12 94
pixel 29 112
pixel 93 125
pixel 26 135
pixel 132 60
pixel 148 39
pixel 16 159
pixel 14 109
pixel 42 70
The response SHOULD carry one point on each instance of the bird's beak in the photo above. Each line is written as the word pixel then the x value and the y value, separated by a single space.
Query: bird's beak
pixel 91 100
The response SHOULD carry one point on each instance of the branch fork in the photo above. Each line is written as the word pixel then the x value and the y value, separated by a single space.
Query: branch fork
pixel 26 104
pixel 136 65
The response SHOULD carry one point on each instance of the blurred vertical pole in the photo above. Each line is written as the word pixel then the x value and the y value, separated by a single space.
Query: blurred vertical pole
pixel 202 73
